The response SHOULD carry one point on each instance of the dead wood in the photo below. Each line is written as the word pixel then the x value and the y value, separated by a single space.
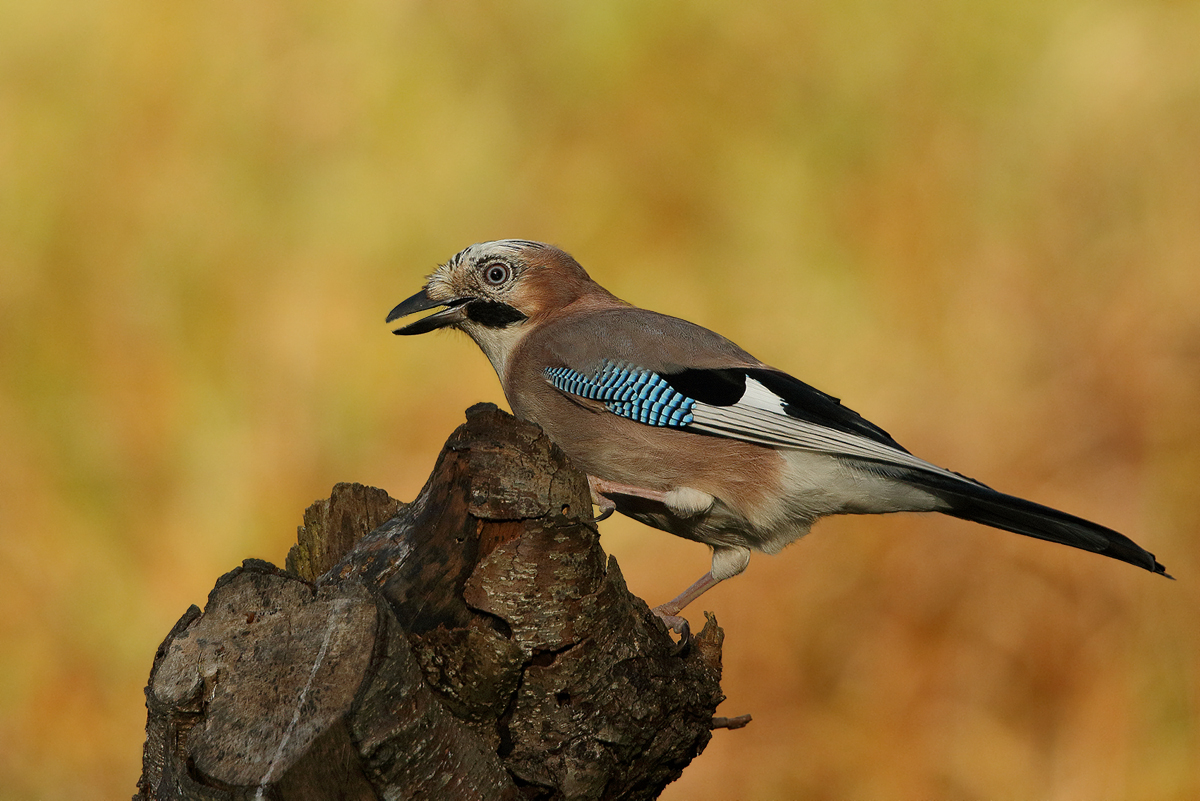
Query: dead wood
pixel 472 644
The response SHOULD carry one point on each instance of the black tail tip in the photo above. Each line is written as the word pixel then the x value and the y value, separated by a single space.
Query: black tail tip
pixel 1159 569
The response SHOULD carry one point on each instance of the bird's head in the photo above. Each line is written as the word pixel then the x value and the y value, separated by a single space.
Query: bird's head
pixel 497 291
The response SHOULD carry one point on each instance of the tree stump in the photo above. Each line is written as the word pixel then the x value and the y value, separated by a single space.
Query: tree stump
pixel 473 644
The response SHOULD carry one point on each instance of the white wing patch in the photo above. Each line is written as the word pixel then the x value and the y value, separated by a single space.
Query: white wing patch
pixel 759 397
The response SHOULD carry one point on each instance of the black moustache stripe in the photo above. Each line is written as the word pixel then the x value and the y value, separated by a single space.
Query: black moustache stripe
pixel 493 314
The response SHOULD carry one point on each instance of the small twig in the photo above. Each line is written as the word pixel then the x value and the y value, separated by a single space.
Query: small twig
pixel 731 723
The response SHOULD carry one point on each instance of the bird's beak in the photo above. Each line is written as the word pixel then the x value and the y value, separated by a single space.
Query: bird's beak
pixel 455 312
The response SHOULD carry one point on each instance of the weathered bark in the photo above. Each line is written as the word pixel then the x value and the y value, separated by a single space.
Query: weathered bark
pixel 473 644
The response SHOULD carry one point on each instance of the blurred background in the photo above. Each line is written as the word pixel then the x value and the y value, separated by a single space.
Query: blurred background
pixel 978 224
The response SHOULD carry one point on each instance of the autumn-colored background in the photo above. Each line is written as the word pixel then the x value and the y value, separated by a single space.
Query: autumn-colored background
pixel 978 223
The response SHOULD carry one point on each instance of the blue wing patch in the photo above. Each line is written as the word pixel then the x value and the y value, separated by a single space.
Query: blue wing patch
pixel 631 392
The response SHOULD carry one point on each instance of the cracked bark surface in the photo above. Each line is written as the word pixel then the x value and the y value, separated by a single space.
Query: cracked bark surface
pixel 473 644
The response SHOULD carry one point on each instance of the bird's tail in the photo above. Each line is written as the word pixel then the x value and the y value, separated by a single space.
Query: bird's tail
pixel 970 500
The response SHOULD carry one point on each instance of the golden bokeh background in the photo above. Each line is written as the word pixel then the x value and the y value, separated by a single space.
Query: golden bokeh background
pixel 979 224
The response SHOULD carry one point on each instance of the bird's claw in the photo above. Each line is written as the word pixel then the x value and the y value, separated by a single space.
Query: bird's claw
pixel 600 500
pixel 677 624
pixel 605 513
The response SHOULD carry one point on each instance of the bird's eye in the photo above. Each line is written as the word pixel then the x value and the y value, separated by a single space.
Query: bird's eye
pixel 496 273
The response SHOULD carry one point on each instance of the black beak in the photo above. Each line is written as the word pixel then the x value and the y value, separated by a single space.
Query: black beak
pixel 453 313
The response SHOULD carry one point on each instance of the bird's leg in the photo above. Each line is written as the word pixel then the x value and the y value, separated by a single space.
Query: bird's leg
pixel 676 604
pixel 681 501
pixel 602 487
pixel 669 612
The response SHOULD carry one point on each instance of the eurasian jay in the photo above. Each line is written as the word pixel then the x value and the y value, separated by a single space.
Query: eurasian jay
pixel 683 430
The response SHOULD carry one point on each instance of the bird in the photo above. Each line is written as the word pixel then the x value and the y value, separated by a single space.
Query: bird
pixel 683 430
